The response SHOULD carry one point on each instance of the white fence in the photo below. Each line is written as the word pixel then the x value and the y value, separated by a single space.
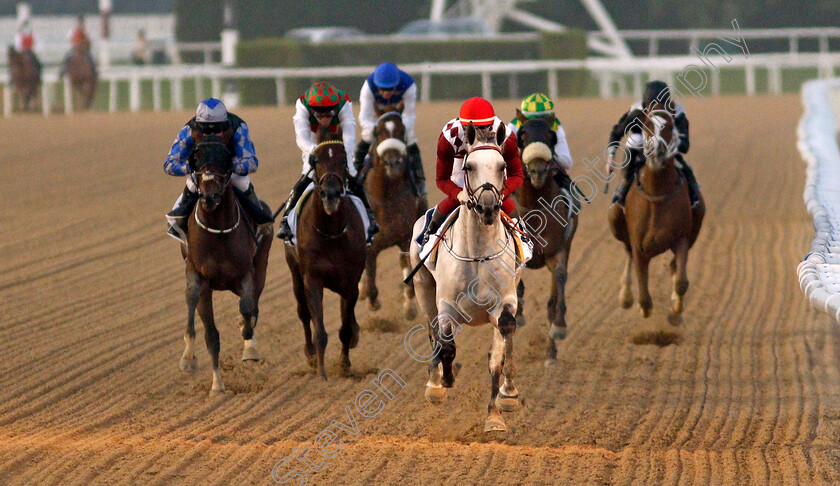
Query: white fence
pixel 793 37
pixel 615 77
pixel 819 273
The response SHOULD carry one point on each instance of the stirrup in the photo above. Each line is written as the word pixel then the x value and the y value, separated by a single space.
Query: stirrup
pixel 174 230
pixel 285 231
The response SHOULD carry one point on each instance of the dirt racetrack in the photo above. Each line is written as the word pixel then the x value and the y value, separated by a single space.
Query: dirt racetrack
pixel 92 315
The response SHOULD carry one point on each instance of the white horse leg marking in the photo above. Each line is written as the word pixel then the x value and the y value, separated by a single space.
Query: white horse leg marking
pixel 218 385
pixel 625 296
pixel 188 359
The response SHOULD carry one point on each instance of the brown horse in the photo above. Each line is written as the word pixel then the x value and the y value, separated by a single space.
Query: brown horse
pixel 658 216
pixel 26 78
pixel 222 255
pixel 394 204
pixel 554 234
pixel 330 253
pixel 82 74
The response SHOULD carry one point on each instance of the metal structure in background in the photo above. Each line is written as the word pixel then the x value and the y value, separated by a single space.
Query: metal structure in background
pixel 492 12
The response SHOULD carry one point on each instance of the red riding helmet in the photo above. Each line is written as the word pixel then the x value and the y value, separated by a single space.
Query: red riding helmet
pixel 478 111
pixel 323 96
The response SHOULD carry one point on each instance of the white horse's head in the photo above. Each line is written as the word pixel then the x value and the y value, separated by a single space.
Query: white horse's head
pixel 661 138
pixel 484 171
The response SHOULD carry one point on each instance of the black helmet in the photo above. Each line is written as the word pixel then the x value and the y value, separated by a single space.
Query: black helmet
pixel 656 90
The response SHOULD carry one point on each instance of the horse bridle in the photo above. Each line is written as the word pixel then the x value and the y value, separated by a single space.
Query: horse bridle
pixel 326 176
pixel 673 145
pixel 473 196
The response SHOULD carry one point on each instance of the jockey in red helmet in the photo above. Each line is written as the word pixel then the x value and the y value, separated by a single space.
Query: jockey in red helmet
pixel 451 149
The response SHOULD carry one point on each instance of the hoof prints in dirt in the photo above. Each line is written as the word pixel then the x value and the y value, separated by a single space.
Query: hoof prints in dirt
pixel 659 338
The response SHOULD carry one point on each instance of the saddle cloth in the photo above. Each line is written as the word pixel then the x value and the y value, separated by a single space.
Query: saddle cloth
pixel 295 215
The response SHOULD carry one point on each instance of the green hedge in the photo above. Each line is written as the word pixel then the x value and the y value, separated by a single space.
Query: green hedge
pixel 277 52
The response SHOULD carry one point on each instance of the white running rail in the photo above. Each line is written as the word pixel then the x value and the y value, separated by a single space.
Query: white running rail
pixel 819 273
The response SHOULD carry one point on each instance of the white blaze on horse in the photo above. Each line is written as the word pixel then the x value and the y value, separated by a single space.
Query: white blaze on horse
pixel 474 279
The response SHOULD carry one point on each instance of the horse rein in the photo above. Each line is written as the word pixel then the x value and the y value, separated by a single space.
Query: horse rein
pixel 472 203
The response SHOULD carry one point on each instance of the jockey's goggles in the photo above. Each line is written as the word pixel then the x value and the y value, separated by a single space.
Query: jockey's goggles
pixel 216 127
pixel 325 114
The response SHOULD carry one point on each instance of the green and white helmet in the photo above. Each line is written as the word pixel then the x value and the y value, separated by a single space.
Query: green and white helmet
pixel 537 104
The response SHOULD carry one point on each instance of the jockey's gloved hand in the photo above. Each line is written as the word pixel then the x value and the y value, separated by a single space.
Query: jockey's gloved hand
pixel 312 161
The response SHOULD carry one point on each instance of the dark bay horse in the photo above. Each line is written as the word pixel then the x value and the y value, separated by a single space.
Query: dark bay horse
pixel 658 216
pixel 554 238
pixel 222 254
pixel 26 78
pixel 82 74
pixel 330 253
pixel 394 204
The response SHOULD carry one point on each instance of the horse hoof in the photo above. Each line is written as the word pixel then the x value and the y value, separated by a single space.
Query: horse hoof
pixel 188 364
pixel 217 393
pixel 507 404
pixel 557 332
pixel 645 311
pixel 520 320
pixel 374 304
pixel 435 395
pixel 674 319
pixel 494 424
pixel 250 354
pixel 550 363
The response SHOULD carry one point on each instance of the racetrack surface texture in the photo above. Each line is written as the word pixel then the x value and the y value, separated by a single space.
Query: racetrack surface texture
pixel 92 315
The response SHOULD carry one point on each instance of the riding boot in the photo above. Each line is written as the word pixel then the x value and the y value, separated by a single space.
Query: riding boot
pixel 693 185
pixel 415 163
pixel 285 232
pixel 358 190
pixel 253 206
pixel 359 157
pixel 178 217
pixel 437 219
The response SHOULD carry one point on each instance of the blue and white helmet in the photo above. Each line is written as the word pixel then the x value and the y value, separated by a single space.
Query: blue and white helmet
pixel 386 76
pixel 211 116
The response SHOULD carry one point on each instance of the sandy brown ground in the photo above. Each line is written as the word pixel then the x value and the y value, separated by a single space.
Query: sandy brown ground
pixel 92 315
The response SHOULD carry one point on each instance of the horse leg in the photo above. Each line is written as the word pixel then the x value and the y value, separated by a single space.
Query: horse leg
pixel 496 362
pixel 315 301
pixel 625 295
pixel 211 337
pixel 520 304
pixel 304 315
pixel 248 323
pixel 679 277
pixel 645 302
pixel 349 332
pixel 445 337
pixel 559 276
pixel 508 398
pixel 370 274
pixel 409 303
pixel 193 293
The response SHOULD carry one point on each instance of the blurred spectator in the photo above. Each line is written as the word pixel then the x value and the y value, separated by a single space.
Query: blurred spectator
pixel 141 54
